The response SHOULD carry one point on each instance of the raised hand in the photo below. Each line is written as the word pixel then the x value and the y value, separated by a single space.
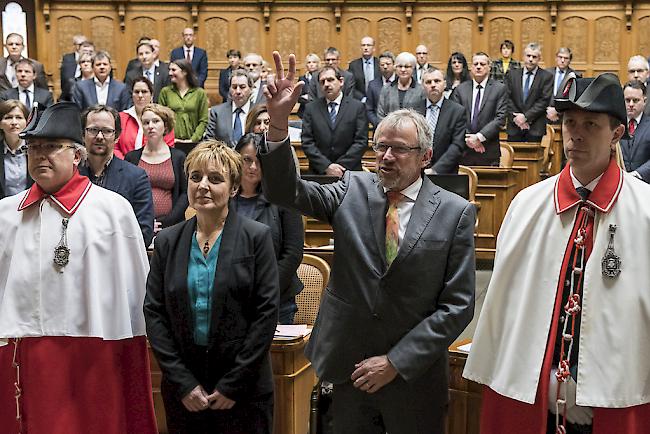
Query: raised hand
pixel 282 93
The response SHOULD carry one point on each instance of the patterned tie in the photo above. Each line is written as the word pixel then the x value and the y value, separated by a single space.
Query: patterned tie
pixel 477 107
pixel 332 112
pixel 236 130
pixel 631 128
pixel 147 74
pixel 28 103
pixel 529 76
pixel 392 225
pixel 187 55
pixel 432 116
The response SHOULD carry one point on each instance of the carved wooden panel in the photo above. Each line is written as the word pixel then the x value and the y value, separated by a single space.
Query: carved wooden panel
pixel 532 30
pixel 141 26
pixel 248 30
pixel 574 36
pixel 460 36
pixel 608 39
pixel 173 36
pixel 500 29
pixel 356 29
pixel 67 27
pixel 318 36
pixel 288 36
pixel 643 38
pixel 390 35
pixel 216 38
pixel 430 33
pixel 103 34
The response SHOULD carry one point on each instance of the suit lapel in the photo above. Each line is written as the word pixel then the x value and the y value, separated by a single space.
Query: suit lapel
pixel 181 261
pixel 442 121
pixel 486 94
pixel 340 114
pixel 377 207
pixel 113 176
pixel 2 169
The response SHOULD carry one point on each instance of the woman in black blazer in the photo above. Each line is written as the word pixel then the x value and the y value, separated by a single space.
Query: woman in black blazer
pixel 286 225
pixel 164 166
pixel 211 306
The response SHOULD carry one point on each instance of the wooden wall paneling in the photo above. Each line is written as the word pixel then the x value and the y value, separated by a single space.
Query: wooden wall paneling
pixel 429 33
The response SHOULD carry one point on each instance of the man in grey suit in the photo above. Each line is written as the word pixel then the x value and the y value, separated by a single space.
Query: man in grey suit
pixel 563 58
pixel 635 145
pixel 485 105
pixel 365 68
pixel 27 92
pixel 15 45
pixel 333 58
pixel 226 121
pixel 402 283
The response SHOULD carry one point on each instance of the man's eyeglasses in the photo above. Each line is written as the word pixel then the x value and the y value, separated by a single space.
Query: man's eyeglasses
pixel 396 150
pixel 106 132
pixel 47 148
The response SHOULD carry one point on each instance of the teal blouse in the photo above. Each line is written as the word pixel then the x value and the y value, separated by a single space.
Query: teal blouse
pixel 191 111
pixel 200 282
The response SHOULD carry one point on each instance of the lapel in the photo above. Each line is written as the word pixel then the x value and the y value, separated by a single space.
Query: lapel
pixel 442 121
pixel 180 262
pixel 228 120
pixel 467 97
pixel 425 207
pixel 486 93
pixel 113 175
pixel 2 169
pixel 635 143
pixel 111 91
pixel 377 207
pixel 93 91
pixel 340 114
pixel 322 106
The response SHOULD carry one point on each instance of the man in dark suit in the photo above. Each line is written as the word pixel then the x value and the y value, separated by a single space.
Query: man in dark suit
pixel 485 109
pixel 15 45
pixel 638 69
pixel 334 128
pixel 101 89
pixel 364 69
pixel 333 58
pixel 253 64
pixel 157 74
pixel 312 63
pixel 26 92
pixel 233 56
pixel 197 56
pixel 227 120
pixel 447 121
pixel 563 61
pixel 529 93
pixel 134 63
pixel 69 61
pixel 386 78
pixel 71 69
pixel 101 127
pixel 635 145
pixel 402 286
pixel 422 56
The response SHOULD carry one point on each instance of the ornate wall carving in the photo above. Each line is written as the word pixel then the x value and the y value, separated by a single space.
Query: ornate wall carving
pixel 142 26
pixel 430 33
pixel 103 34
pixel 318 36
pixel 288 36
pixel 608 39
pixel 532 30
pixel 173 33
pixel 248 30
pixel 643 35
pixel 389 35
pixel 67 27
pixel 356 28
pixel 216 39
pixel 574 35
pixel 460 36
pixel 500 29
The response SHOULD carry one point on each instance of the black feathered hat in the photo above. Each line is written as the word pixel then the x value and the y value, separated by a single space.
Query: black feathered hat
pixel 58 121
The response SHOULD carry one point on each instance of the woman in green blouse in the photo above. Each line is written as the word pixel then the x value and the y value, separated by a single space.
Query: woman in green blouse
pixel 187 100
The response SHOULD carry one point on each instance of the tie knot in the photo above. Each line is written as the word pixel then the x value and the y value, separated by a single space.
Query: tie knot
pixel 394 197
pixel 433 107
pixel 479 87
pixel 529 73
pixel 332 105
pixel 583 192
pixel 238 110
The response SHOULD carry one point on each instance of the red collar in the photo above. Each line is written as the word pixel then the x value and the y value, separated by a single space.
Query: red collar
pixel 602 198
pixel 68 198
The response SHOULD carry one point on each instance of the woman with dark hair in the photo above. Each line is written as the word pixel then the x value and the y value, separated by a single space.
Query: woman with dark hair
pixel 212 306
pixel 286 225
pixel 132 135
pixel 500 67
pixel 13 119
pixel 164 167
pixel 257 120
pixel 457 71
pixel 187 100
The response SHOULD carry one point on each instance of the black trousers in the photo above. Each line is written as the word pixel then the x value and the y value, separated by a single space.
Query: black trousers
pixel 397 408
pixel 524 136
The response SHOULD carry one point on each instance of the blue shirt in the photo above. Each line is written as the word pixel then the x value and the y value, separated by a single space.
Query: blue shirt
pixel 200 281
pixel 15 163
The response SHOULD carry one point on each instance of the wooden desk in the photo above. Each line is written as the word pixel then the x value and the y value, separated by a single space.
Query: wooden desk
pixel 496 189
pixel 527 162
pixel 464 395
pixel 294 380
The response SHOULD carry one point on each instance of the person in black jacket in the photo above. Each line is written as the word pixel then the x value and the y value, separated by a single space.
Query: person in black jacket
pixel 211 306
pixel 164 167
pixel 286 225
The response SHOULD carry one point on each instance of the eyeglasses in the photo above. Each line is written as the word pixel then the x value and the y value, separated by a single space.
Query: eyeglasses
pixel 106 132
pixel 47 148
pixel 396 150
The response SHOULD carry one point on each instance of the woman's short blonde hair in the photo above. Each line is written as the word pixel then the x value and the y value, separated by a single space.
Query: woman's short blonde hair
pixel 221 154
pixel 165 113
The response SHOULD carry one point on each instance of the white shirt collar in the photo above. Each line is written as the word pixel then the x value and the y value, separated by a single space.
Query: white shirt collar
pixel 483 83
pixel 106 82
pixel 637 119
pixel 244 108
pixel 412 190
pixel 337 100
pixel 439 103
pixel 390 79
pixel 591 186
pixel 30 88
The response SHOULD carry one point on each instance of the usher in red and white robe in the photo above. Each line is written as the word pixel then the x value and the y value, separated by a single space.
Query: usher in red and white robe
pixel 73 339
pixel 513 346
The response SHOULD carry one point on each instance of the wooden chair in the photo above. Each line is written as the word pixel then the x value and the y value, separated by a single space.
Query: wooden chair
pixel 473 185
pixel 314 273
pixel 547 160
pixel 507 156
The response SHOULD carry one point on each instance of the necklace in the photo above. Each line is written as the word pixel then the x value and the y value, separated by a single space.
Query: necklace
pixel 206 248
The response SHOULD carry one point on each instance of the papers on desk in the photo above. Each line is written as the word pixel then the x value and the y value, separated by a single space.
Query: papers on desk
pixel 465 348
pixel 295 134
pixel 292 331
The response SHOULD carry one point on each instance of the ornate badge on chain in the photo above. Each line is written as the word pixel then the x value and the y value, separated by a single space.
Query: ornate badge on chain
pixel 611 262
pixel 61 251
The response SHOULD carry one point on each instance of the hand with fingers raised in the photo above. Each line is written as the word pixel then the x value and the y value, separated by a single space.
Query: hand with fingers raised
pixel 282 92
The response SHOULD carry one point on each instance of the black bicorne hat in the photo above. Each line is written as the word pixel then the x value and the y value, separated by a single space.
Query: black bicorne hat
pixel 602 94
pixel 58 121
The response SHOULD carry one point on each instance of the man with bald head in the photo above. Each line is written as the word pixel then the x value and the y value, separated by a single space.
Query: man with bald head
pixel 253 65
pixel 195 55
pixel 422 56
pixel 365 68
pixel 637 70
pixel 14 44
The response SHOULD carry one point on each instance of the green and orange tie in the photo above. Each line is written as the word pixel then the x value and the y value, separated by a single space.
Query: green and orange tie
pixel 392 225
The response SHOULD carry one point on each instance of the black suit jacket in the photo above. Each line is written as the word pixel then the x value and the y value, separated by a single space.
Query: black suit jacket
pixel 132 183
pixel 356 68
pixel 179 191
pixel 491 118
pixel 534 108
pixel 243 317
pixel 68 68
pixel 304 94
pixel 161 78
pixel 224 83
pixel 636 149
pixel 372 99
pixel 30 181
pixel 199 62
pixel 343 143
pixel 133 64
pixel 449 138
pixel 41 96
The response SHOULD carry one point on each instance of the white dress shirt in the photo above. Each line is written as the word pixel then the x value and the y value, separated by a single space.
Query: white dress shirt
pixel 242 116
pixel 337 101
pixel 23 97
pixel 102 90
